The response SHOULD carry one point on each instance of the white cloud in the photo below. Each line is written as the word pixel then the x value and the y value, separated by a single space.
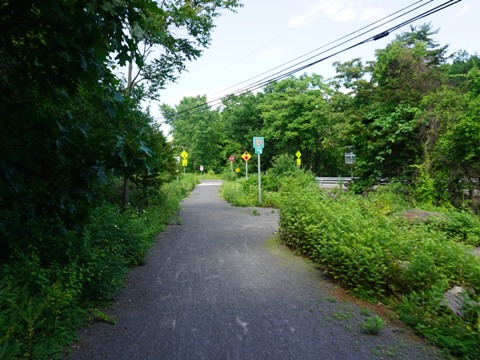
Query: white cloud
pixel 337 10
pixel 296 21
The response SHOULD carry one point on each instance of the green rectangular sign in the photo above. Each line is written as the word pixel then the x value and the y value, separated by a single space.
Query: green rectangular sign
pixel 258 142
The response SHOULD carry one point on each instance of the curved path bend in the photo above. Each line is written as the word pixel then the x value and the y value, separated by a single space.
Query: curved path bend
pixel 219 287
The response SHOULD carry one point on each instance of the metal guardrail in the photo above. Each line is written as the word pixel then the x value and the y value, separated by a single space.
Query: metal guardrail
pixel 335 181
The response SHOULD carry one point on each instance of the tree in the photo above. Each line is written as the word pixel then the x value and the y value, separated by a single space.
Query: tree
pixel 451 135
pixel 242 118
pixel 165 36
pixel 387 137
pixel 295 117
pixel 162 39
pixel 52 55
pixel 195 129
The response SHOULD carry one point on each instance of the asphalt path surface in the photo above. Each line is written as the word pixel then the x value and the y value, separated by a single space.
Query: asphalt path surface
pixel 218 286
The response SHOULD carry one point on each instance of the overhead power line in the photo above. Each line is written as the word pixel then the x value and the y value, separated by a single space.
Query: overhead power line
pixel 297 67
pixel 324 46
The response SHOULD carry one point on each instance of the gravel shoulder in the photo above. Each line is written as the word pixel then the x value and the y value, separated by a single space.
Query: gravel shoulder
pixel 219 286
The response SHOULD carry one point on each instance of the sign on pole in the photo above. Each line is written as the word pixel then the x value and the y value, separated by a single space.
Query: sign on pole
pixel 184 156
pixel 258 145
pixel 232 159
pixel 258 142
pixel 246 156
pixel 298 154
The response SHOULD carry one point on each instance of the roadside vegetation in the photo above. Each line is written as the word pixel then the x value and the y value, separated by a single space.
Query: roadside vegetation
pixel 43 304
pixel 85 172
pixel 370 245
pixel 87 178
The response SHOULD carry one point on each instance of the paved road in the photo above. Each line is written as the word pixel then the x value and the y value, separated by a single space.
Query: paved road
pixel 218 287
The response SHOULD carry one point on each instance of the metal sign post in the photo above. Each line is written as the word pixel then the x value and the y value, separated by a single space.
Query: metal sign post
pixel 232 159
pixel 258 145
pixel 246 156
pixel 350 159
pixel 259 182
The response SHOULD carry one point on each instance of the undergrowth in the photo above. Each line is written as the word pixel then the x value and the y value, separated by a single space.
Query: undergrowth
pixel 366 244
pixel 362 242
pixel 42 303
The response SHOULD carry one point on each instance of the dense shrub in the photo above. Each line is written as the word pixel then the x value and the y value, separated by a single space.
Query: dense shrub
pixel 360 242
pixel 238 193
pixel 39 307
pixel 282 166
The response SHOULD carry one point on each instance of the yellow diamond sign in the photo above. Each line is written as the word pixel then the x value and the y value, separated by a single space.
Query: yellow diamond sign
pixel 298 154
pixel 246 156
pixel 184 154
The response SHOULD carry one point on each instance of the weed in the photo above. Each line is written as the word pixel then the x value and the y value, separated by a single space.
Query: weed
pixel 342 315
pixel 386 351
pixel 8 351
pixel 98 315
pixel 372 325
pixel 365 312
pixel 360 242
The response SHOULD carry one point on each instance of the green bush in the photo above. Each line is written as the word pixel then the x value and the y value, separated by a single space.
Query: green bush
pixel 282 166
pixel 229 176
pixel 39 307
pixel 238 193
pixel 359 241
pixel 372 325
pixel 463 226
pixel 424 312
pixel 43 301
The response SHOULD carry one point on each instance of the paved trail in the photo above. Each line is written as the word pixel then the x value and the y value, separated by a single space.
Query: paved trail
pixel 216 287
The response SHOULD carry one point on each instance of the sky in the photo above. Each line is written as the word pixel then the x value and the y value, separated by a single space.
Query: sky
pixel 264 34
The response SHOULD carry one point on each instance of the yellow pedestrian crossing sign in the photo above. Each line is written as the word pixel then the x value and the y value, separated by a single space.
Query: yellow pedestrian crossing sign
pixel 298 154
pixel 184 155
